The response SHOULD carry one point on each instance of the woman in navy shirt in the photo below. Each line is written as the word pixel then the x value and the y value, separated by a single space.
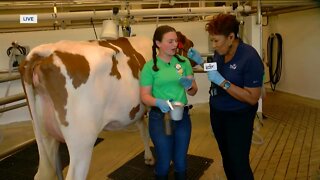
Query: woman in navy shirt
pixel 234 94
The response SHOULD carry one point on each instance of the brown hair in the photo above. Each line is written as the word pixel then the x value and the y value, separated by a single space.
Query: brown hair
pixel 223 24
pixel 157 36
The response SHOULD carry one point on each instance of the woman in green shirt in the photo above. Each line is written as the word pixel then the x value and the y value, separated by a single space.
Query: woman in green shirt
pixel 168 77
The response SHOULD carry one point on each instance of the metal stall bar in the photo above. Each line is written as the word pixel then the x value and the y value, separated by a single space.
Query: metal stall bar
pixel 10 78
pixel 10 99
pixel 13 98
pixel 17 147
pixel 16 106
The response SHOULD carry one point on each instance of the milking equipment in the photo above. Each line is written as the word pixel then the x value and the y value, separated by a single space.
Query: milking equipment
pixel 16 54
pixel 110 27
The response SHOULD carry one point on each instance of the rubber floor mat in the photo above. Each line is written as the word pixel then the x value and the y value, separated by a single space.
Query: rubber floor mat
pixel 23 164
pixel 135 169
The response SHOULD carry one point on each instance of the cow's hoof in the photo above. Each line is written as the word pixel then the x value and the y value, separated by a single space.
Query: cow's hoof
pixel 149 161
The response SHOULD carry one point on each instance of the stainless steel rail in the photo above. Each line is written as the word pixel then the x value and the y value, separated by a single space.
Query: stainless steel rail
pixel 16 106
pixel 12 98
pixel 9 78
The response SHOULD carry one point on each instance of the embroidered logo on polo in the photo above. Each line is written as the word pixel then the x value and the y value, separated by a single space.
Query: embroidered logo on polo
pixel 179 69
pixel 233 66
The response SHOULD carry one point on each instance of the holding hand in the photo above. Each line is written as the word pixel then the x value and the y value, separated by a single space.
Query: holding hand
pixel 194 55
pixel 186 82
pixel 215 77
pixel 162 105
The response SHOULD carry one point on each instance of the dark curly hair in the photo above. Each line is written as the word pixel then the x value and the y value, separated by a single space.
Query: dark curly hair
pixel 223 24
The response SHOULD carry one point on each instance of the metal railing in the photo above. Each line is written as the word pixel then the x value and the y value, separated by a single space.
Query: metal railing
pixel 10 78
pixel 12 98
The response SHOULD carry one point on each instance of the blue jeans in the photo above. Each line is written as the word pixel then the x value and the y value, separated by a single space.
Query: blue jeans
pixel 172 147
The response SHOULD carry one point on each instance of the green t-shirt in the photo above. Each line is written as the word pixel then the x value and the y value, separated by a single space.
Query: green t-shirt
pixel 165 82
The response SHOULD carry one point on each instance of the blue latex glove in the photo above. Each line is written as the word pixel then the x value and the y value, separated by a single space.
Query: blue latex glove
pixel 194 55
pixel 162 105
pixel 186 82
pixel 215 77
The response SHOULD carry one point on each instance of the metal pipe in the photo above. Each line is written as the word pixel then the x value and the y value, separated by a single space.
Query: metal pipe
pixel 259 12
pixel 17 147
pixel 13 98
pixel 102 4
pixel 10 78
pixel 289 10
pixel 288 3
pixel 134 12
pixel 16 106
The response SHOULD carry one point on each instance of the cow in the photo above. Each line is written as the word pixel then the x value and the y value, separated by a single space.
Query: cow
pixel 184 44
pixel 76 89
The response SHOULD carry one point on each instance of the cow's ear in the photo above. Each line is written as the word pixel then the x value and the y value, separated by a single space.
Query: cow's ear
pixel 181 37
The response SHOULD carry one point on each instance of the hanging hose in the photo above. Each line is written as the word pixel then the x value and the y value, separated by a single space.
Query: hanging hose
pixel 276 74
pixel 94 29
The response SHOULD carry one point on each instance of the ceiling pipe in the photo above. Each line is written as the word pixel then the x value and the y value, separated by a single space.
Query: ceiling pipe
pixel 74 4
pixel 259 13
pixel 284 10
pixel 122 13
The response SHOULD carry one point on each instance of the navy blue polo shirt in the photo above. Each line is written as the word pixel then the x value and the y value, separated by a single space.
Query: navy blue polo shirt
pixel 245 69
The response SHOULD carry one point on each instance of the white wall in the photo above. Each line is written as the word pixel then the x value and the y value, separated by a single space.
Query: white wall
pixel 301 45
pixel 193 30
pixel 301 41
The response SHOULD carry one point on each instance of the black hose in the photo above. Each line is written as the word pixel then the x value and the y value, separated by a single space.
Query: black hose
pixel 94 29
pixel 276 74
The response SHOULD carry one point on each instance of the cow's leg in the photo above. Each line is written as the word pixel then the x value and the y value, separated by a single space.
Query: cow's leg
pixel 148 157
pixel 42 112
pixel 80 142
pixel 47 145
pixel 48 149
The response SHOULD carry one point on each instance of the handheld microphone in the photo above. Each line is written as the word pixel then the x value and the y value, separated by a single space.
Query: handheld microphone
pixel 210 65
pixel 213 88
pixel 210 59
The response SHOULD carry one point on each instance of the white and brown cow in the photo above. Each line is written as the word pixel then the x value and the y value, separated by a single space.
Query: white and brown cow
pixel 77 89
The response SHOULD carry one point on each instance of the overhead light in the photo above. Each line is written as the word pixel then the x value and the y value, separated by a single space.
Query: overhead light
pixel 110 30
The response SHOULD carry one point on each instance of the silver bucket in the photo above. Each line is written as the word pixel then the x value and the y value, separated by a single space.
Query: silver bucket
pixel 176 113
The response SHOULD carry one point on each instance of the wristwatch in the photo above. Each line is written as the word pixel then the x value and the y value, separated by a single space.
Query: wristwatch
pixel 226 85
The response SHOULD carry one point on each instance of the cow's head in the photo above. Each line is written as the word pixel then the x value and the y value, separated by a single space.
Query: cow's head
pixel 184 44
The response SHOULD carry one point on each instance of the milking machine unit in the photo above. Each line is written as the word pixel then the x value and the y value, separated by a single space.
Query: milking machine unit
pixel 126 21
pixel 16 54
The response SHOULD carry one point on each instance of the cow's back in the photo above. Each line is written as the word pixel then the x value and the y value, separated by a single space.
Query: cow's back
pixel 85 84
